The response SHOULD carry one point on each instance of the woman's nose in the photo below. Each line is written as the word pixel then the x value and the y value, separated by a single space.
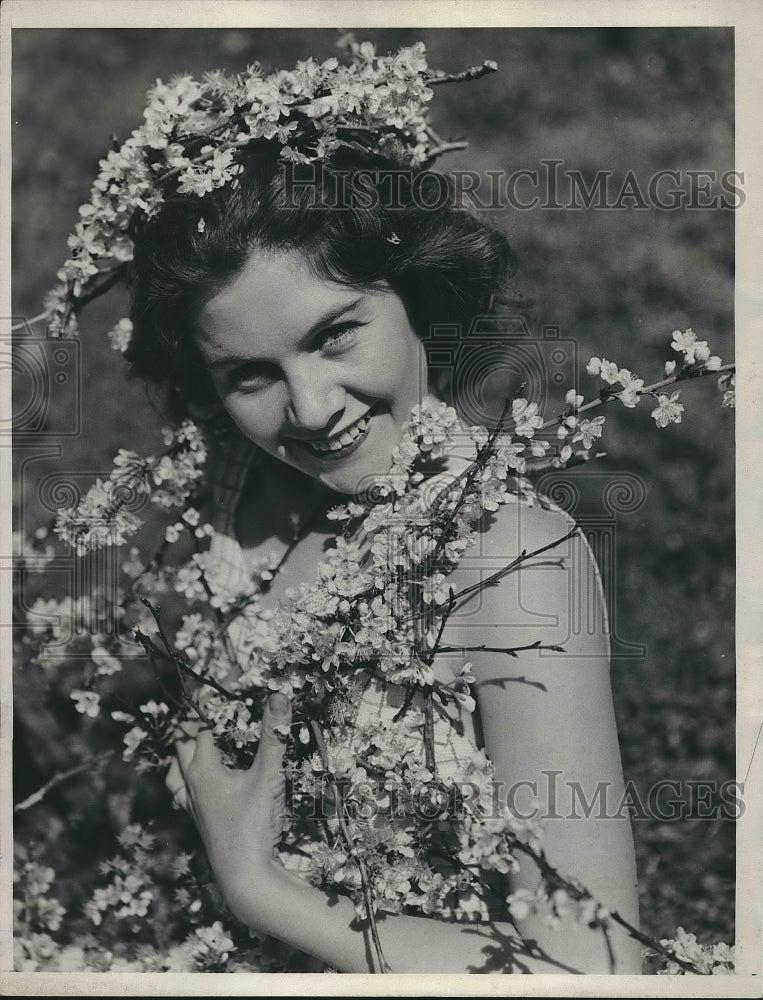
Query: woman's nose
pixel 314 402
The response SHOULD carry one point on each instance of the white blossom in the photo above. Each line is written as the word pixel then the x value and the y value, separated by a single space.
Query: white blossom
pixel 668 410
pixel 86 702
pixel 120 335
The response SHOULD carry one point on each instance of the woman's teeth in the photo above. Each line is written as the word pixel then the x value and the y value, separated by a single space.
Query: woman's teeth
pixel 342 440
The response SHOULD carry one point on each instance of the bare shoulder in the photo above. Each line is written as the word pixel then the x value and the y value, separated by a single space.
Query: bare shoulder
pixel 531 577
pixel 528 525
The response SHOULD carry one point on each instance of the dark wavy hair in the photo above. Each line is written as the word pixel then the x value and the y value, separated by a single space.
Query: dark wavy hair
pixel 399 227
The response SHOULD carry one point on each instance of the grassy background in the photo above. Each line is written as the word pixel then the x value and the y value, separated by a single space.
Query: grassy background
pixel 616 282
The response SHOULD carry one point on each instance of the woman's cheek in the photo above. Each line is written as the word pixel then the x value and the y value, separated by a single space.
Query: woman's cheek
pixel 250 418
pixel 399 369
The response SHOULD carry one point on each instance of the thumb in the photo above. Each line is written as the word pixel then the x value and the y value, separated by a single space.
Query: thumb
pixel 275 722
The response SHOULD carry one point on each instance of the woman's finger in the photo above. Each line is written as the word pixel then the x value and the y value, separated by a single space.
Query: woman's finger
pixel 185 742
pixel 206 756
pixel 177 787
pixel 275 722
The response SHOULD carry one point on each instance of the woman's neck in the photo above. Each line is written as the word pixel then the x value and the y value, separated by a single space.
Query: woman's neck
pixel 279 500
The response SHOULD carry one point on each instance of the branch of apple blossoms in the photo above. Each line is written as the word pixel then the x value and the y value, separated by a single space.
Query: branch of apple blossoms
pixel 608 395
pixel 171 654
pixel 697 362
pixel 600 914
pixel 473 73
pixel 351 847
pixel 469 475
pixel 103 517
pixel 537 465
pixel 193 130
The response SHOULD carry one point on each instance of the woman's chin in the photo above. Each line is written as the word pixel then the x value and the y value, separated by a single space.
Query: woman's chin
pixel 353 477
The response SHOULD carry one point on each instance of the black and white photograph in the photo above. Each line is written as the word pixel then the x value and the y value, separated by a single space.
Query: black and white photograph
pixel 374 542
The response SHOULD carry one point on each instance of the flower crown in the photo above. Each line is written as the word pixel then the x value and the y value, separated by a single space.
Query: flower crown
pixel 195 133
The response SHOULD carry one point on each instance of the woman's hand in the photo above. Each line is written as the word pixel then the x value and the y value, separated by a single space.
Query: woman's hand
pixel 240 814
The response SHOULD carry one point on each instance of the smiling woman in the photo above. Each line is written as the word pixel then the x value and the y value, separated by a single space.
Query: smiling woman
pixel 361 698
pixel 301 321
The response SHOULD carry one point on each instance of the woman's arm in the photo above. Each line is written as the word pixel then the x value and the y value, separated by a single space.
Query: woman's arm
pixel 548 720
pixel 239 815
pixel 553 729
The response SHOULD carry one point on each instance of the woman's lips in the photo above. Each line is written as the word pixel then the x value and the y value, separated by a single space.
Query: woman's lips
pixel 339 445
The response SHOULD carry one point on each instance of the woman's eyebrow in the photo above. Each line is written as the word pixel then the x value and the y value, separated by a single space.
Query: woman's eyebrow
pixel 326 320
pixel 332 316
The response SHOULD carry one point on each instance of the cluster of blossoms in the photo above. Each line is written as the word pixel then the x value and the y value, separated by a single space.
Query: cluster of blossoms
pixel 195 132
pixel 151 723
pixel 138 890
pixel 130 890
pixel 212 948
pixel 103 516
pixel 33 905
pixel 709 959
pixel 374 614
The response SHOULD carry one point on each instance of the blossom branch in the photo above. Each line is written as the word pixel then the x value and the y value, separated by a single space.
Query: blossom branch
pixel 177 658
pixel 608 396
pixel 17 327
pixel 553 877
pixel 470 474
pixel 510 568
pixel 473 73
pixel 429 754
pixel 363 871
pixel 610 950
pixel 152 650
pixel 446 147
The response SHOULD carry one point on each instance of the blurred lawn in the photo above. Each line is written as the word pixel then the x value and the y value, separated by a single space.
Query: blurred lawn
pixel 617 282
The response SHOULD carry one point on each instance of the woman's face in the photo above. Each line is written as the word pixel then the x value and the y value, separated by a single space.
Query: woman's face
pixel 317 374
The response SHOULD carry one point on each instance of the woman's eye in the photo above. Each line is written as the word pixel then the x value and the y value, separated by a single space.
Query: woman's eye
pixel 249 378
pixel 338 336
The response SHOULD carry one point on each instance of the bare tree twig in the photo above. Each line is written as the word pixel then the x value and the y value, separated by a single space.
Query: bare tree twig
pixel 41 792
pixel 509 650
